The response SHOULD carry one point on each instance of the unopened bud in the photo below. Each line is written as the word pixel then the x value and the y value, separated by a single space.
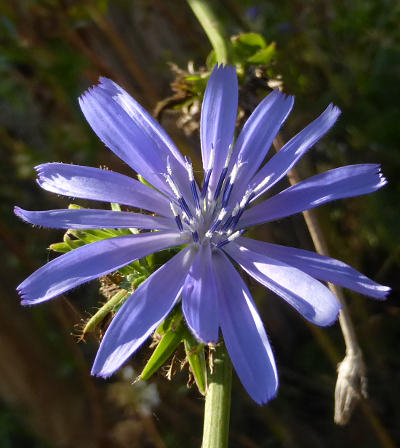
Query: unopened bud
pixel 351 386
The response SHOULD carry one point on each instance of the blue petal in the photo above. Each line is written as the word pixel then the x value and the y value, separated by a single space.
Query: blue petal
pixel 290 153
pixel 323 268
pixel 244 333
pixel 258 134
pixel 100 185
pixel 149 126
pixel 131 133
pixel 142 313
pixel 218 118
pixel 90 262
pixel 308 296
pixel 94 219
pixel 199 298
pixel 344 182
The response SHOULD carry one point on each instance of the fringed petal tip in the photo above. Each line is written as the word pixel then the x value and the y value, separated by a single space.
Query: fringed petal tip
pixel 381 292
pixel 42 172
pixel 332 112
pixel 100 373
pixel 20 213
pixel 24 296
pixel 382 178
pixel 270 395
pixel 222 66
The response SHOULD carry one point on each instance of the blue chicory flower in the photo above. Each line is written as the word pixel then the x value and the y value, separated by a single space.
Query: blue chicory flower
pixel 208 220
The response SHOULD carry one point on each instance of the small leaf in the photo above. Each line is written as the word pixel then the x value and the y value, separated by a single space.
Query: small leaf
pixel 72 244
pixel 172 321
pixel 263 56
pixel 166 347
pixel 59 247
pixel 245 45
pixel 111 305
pixel 195 355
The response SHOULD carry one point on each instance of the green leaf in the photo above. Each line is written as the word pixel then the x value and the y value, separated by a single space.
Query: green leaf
pixel 110 306
pixel 60 247
pixel 166 347
pixel 263 56
pixel 72 244
pixel 245 45
pixel 195 355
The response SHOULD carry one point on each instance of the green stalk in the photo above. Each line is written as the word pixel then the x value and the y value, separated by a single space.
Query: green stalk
pixel 205 15
pixel 218 401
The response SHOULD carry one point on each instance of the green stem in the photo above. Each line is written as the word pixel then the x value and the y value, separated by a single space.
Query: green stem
pixel 205 15
pixel 218 401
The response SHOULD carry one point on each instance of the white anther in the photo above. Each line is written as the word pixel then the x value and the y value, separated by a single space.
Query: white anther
pixel 222 214
pixel 174 209
pixel 228 156
pixel 261 185
pixel 234 172
pixel 173 186
pixel 245 198
pixel 236 210
pixel 169 169
pixel 212 157
pixel 189 169
pixel 234 235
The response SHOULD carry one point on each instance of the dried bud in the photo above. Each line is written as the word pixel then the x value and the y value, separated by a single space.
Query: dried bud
pixel 351 386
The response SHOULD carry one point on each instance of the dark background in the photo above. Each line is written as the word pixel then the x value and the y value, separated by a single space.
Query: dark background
pixel 328 51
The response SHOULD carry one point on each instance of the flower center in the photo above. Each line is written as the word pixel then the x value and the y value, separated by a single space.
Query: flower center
pixel 209 214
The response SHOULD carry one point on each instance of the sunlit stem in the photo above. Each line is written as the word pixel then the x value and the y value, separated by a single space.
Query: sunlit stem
pixel 218 401
pixel 205 15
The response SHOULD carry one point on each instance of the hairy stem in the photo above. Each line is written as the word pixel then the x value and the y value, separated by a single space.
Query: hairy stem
pixel 218 401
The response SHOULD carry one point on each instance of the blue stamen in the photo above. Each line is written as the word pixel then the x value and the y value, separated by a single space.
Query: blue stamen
pixel 227 223
pixel 195 236
pixel 195 195
pixel 179 223
pixel 227 194
pixel 220 182
pixel 241 210
pixel 206 182
pixel 184 207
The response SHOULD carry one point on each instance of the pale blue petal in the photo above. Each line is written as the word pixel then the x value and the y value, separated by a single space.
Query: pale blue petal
pixel 199 297
pixel 142 313
pixel 100 185
pixel 94 219
pixel 293 150
pixel 344 182
pixel 90 262
pixel 257 136
pixel 244 333
pixel 149 126
pixel 151 142
pixel 308 296
pixel 218 118
pixel 131 133
pixel 322 268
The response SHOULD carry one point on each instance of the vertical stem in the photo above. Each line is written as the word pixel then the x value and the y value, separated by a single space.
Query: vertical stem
pixel 218 401
pixel 205 15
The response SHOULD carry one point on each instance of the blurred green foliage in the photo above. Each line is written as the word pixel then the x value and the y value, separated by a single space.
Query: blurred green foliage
pixel 342 52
